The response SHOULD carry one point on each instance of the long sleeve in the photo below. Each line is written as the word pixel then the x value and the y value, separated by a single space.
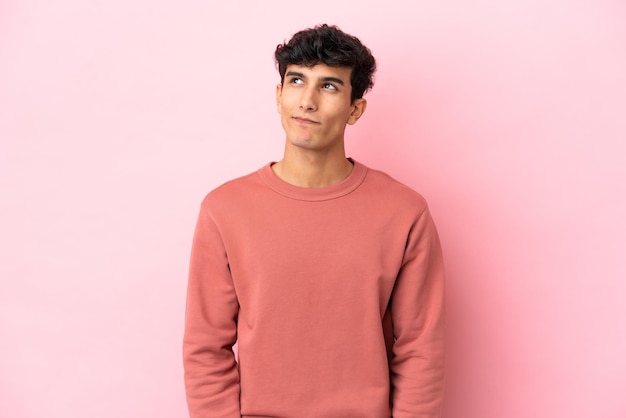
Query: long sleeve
pixel 329 292
pixel 211 374
pixel 417 309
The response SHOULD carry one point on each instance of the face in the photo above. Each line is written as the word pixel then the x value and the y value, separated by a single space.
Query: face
pixel 315 106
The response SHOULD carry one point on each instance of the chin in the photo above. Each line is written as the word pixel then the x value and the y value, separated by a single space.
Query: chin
pixel 302 142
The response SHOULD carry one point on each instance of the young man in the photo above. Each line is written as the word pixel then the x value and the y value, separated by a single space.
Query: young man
pixel 328 274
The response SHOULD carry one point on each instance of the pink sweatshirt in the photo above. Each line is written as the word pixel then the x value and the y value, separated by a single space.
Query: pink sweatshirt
pixel 334 295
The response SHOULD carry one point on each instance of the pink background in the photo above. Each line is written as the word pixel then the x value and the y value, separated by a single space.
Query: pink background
pixel 116 117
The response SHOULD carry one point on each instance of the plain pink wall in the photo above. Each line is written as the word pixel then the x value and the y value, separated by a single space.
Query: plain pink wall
pixel 116 117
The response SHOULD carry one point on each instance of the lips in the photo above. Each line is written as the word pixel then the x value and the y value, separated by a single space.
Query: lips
pixel 305 121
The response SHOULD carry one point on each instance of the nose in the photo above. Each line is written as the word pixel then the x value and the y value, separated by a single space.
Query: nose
pixel 308 100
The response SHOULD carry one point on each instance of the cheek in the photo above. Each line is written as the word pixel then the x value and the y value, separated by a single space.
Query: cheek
pixel 284 105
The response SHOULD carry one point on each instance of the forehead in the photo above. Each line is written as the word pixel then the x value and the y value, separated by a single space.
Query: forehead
pixel 321 71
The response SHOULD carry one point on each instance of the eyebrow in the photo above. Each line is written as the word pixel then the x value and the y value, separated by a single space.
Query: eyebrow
pixel 324 79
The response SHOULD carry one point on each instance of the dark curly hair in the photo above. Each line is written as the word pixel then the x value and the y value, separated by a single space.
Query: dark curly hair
pixel 330 46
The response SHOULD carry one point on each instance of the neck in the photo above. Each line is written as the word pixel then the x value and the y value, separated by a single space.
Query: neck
pixel 313 170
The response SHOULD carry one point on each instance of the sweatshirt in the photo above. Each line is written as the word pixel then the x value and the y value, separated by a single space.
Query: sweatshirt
pixel 334 296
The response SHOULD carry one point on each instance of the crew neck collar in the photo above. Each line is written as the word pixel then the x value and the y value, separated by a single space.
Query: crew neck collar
pixel 349 184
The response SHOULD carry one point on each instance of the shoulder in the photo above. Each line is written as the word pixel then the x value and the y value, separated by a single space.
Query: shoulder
pixel 240 190
pixel 381 184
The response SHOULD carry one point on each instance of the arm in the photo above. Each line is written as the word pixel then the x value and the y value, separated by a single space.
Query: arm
pixel 211 376
pixel 417 309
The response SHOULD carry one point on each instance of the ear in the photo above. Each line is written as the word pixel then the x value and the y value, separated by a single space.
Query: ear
pixel 358 108
pixel 279 91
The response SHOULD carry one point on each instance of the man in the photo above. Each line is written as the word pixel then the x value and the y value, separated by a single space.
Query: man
pixel 328 274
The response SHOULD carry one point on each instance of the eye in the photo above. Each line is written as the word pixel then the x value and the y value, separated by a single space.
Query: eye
pixel 296 80
pixel 329 86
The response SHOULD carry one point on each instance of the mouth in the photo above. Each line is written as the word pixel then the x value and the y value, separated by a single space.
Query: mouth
pixel 305 121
